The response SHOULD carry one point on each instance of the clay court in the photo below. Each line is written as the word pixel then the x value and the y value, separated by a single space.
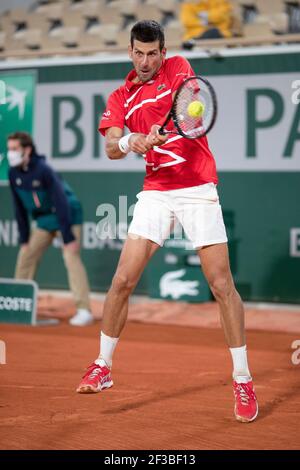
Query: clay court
pixel 172 386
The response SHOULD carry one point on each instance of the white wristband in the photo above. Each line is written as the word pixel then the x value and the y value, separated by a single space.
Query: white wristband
pixel 124 143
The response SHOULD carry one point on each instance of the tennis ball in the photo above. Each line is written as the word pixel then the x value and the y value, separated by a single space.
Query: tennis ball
pixel 195 109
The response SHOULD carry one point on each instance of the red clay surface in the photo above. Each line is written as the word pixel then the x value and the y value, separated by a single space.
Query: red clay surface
pixel 266 318
pixel 172 387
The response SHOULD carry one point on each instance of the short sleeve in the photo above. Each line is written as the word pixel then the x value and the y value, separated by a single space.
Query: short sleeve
pixel 178 69
pixel 113 115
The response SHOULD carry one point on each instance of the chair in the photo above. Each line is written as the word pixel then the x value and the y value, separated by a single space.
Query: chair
pixel 109 33
pixel 257 29
pixel 71 36
pixel 54 11
pixel 123 37
pixel 169 6
pixel 174 33
pixel 2 40
pixel 111 14
pixel 76 5
pixel 147 11
pixel 269 7
pixel 33 39
pixel 126 7
pixel 38 21
pixel 18 15
pixel 52 41
pixel 74 19
pixel 92 8
pixel 91 41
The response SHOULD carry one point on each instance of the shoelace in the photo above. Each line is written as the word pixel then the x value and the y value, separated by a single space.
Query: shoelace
pixel 92 371
pixel 245 393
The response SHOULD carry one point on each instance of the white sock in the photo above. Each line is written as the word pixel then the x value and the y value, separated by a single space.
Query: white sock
pixel 107 347
pixel 241 373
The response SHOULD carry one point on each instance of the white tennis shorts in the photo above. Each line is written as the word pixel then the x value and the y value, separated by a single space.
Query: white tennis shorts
pixel 197 209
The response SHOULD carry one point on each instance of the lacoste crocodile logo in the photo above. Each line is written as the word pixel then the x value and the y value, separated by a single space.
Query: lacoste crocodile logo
pixel 171 284
pixel 161 87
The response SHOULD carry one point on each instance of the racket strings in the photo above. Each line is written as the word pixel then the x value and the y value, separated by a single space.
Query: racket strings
pixel 194 90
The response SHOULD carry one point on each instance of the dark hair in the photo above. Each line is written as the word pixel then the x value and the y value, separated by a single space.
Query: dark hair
pixel 148 31
pixel 24 138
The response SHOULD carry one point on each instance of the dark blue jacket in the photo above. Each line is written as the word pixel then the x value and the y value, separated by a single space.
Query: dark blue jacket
pixel 40 193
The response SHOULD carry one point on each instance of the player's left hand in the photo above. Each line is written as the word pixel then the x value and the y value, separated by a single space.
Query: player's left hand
pixel 154 138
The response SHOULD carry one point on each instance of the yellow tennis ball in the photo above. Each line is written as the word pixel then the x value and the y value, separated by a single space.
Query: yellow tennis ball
pixel 195 109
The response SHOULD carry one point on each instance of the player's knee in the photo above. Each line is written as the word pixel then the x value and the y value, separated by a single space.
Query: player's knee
pixel 123 283
pixel 222 288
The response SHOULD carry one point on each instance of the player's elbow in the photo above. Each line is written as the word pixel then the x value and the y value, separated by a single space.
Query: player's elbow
pixel 108 150
pixel 112 155
pixel 112 152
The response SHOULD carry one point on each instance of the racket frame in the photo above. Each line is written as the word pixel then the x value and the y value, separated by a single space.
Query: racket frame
pixel 172 113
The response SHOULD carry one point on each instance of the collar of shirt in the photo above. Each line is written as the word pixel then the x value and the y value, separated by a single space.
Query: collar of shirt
pixel 132 74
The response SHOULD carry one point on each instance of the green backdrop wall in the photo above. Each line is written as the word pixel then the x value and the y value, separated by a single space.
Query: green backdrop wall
pixel 257 149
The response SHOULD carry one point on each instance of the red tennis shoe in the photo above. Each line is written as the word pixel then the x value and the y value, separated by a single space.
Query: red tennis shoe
pixel 246 407
pixel 95 379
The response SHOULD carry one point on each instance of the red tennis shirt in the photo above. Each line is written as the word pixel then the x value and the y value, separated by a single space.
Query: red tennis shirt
pixel 180 162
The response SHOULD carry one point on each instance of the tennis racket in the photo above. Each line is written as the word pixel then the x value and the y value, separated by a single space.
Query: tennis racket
pixel 194 109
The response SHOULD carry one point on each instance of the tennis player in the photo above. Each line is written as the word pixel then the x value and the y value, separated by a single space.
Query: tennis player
pixel 180 183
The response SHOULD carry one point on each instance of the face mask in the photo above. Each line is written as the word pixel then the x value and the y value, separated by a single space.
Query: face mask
pixel 14 157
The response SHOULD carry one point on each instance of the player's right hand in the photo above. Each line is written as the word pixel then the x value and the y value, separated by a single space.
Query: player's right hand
pixel 138 143
pixel 155 138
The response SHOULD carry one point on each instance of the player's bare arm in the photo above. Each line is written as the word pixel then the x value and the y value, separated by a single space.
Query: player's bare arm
pixel 137 143
pixel 112 137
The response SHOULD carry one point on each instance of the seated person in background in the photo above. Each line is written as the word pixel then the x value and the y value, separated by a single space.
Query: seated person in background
pixel 205 19
pixel 39 193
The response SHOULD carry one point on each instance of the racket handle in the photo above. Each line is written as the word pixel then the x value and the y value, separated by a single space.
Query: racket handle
pixel 161 131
